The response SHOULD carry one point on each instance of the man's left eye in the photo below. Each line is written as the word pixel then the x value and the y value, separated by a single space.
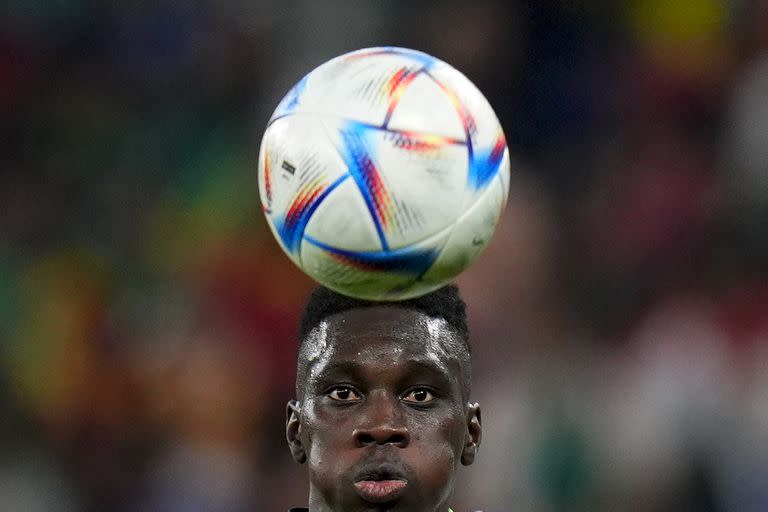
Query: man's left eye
pixel 419 396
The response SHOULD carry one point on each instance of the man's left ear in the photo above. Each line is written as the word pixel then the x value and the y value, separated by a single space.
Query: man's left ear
pixel 473 435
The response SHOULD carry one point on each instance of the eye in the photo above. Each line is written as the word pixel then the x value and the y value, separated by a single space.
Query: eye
pixel 343 394
pixel 419 396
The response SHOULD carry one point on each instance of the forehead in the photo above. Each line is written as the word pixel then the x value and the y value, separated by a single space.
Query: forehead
pixel 382 334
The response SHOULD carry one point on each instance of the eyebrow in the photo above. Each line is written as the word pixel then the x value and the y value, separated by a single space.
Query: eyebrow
pixel 421 365
pixel 346 367
pixel 427 365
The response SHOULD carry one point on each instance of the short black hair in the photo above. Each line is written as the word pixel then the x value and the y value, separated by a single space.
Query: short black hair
pixel 444 303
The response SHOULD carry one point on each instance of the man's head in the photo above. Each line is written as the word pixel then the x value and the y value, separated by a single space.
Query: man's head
pixel 382 415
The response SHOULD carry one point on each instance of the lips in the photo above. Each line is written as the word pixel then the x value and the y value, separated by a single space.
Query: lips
pixel 381 483
pixel 380 491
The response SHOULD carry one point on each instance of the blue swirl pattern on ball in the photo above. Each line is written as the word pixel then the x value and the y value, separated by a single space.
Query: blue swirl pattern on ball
pixel 414 262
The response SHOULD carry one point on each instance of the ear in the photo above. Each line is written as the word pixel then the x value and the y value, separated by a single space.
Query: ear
pixel 474 434
pixel 293 431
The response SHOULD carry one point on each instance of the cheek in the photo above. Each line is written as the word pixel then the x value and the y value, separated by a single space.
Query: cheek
pixel 327 440
pixel 444 430
pixel 437 450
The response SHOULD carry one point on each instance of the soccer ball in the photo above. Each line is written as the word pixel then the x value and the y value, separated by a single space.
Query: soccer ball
pixel 383 173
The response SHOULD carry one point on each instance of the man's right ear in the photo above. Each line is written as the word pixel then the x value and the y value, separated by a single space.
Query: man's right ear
pixel 293 431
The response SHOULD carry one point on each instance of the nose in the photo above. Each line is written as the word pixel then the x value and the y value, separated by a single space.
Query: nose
pixel 381 424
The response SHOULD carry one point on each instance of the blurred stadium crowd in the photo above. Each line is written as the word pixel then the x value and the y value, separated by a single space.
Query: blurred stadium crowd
pixel 148 319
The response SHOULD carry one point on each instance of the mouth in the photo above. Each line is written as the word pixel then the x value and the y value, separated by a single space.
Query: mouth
pixel 381 486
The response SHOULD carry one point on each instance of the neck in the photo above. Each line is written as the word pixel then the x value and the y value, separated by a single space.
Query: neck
pixel 318 504
pixel 313 509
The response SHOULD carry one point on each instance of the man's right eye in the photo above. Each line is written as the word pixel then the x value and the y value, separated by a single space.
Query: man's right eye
pixel 343 394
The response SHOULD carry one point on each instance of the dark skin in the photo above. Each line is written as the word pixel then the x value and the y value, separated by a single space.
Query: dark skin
pixel 383 418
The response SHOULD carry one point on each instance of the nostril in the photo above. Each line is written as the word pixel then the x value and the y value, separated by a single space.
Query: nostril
pixel 365 439
pixel 381 436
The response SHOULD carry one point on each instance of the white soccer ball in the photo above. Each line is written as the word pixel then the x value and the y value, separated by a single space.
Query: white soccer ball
pixel 383 173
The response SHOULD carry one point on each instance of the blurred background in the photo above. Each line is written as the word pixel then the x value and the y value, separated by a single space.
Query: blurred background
pixel 148 318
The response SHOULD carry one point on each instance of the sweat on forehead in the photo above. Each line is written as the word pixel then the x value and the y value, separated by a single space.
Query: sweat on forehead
pixel 379 337
pixel 388 326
